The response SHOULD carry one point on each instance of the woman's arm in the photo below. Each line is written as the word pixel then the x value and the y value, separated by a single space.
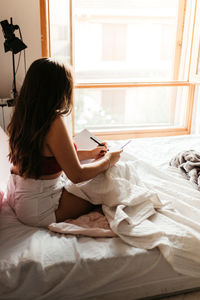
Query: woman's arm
pixel 61 146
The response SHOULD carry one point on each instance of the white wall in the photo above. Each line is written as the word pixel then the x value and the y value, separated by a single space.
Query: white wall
pixel 26 14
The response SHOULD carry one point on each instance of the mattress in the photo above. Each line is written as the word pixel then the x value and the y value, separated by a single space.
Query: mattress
pixel 45 265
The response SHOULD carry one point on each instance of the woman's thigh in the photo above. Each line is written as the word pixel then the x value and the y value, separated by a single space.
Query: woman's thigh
pixel 71 207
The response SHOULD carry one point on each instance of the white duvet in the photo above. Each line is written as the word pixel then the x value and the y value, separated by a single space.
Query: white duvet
pixel 148 206
pixel 36 263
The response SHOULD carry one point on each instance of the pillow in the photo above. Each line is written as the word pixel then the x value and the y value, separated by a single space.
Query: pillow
pixel 4 162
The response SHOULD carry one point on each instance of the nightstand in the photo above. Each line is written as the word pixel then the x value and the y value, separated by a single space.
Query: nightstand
pixel 6 110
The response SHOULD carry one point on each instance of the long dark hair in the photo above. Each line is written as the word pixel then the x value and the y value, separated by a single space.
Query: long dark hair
pixel 46 93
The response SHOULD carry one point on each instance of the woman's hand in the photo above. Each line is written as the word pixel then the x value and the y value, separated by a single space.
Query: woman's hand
pixel 99 151
pixel 114 156
pixel 94 153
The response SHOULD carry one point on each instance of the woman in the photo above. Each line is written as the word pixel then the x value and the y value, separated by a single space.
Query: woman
pixel 41 149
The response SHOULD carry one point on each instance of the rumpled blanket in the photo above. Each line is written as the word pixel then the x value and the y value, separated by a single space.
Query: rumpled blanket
pixel 188 162
pixel 149 207
pixel 116 189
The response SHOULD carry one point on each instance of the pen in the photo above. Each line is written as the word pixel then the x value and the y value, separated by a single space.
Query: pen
pixel 102 145
pixel 96 141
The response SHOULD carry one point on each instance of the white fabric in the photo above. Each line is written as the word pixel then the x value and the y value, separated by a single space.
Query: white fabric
pixel 4 164
pixel 124 202
pixel 47 266
pixel 34 201
pixel 149 207
pixel 38 264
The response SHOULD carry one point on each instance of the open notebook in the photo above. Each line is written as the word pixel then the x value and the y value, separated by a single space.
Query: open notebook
pixel 83 140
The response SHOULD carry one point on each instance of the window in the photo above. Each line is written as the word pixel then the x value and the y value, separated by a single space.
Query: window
pixel 59 16
pixel 114 40
pixel 126 108
pixel 131 61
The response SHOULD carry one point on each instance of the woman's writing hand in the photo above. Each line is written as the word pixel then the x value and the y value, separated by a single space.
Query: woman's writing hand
pixel 98 152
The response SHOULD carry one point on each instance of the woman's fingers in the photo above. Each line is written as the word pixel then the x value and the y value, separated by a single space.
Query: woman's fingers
pixel 105 145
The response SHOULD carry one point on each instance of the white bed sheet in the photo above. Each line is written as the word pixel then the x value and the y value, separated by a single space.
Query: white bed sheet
pixel 45 265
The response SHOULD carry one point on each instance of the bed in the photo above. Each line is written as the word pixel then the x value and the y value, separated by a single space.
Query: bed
pixel 36 263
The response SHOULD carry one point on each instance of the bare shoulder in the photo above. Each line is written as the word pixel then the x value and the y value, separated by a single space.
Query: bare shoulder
pixel 57 123
pixel 57 127
pixel 57 135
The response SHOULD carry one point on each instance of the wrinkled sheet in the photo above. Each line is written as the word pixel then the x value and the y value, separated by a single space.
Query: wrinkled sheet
pixel 36 263
pixel 147 206
pixel 116 190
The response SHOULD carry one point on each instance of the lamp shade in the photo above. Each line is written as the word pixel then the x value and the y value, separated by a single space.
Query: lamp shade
pixel 14 44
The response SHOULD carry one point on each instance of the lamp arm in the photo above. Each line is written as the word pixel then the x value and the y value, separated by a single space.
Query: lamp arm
pixel 14 89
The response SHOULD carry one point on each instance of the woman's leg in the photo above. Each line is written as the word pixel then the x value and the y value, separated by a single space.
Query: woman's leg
pixel 71 207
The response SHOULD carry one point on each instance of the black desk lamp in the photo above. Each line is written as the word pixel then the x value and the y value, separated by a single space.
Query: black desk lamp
pixel 13 44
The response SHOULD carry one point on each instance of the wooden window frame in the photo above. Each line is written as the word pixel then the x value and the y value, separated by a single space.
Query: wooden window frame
pixel 46 52
pixel 194 76
pixel 45 28
pixel 148 132
pixel 179 37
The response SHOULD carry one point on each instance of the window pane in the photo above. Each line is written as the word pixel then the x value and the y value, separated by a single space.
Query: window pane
pixel 124 40
pixel 130 108
pixel 60 30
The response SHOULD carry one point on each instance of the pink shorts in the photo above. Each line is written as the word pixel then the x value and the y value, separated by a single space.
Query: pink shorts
pixel 35 201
